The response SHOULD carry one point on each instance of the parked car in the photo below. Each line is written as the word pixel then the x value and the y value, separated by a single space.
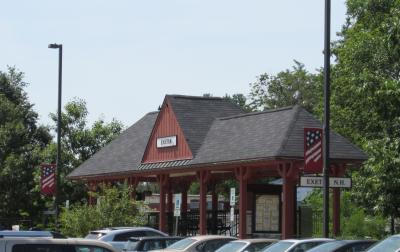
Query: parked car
pixel 390 244
pixel 118 236
pixel 344 246
pixel 293 245
pixel 139 244
pixel 201 243
pixel 248 245
pixel 29 244
pixel 50 234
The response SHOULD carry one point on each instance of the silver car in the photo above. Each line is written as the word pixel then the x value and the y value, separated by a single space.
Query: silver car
pixel 246 245
pixel 119 236
pixel 294 245
pixel 201 243
pixel 23 244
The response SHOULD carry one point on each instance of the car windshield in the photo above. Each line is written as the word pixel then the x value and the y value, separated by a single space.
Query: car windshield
pixel 279 246
pixel 131 245
pixel 390 244
pixel 182 244
pixel 94 235
pixel 327 246
pixel 232 247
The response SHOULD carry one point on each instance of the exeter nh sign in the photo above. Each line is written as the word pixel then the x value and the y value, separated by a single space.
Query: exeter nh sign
pixel 313 181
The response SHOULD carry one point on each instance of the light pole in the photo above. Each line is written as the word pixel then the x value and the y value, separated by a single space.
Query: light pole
pixel 327 70
pixel 58 161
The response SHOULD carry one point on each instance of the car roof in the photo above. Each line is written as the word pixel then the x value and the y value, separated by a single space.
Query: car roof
pixel 308 240
pixel 47 240
pixel 10 233
pixel 255 240
pixel 211 237
pixel 156 238
pixel 121 229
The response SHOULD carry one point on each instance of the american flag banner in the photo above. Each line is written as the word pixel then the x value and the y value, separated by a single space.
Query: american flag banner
pixel 48 179
pixel 313 161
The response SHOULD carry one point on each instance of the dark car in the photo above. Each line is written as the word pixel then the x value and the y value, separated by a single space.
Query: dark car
pixel 139 244
pixel 344 246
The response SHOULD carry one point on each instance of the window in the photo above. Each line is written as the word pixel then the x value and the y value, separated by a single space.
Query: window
pixel 152 245
pixel 123 237
pixel 83 248
pixel 152 233
pixel 211 246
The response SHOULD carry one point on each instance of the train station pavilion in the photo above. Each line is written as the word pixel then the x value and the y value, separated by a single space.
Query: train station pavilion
pixel 209 140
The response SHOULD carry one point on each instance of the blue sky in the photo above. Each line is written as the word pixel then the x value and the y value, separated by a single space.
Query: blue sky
pixel 122 57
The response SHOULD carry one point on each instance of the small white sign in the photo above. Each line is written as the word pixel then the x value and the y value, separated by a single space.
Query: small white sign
pixel 233 197
pixel 164 142
pixel 334 182
pixel 232 215
pixel 178 201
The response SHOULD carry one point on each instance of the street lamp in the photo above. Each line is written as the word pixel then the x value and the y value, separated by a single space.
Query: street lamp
pixel 58 161
pixel 327 70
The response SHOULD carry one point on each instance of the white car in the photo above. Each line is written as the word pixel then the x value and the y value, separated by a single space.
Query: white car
pixel 25 244
pixel 390 244
pixel 119 236
pixel 200 243
pixel 295 245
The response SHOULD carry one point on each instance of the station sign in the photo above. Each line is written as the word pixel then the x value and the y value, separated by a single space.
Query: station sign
pixel 164 142
pixel 334 182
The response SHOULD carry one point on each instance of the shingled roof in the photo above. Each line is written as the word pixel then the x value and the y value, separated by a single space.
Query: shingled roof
pixel 265 135
pixel 217 133
pixel 122 154
pixel 196 115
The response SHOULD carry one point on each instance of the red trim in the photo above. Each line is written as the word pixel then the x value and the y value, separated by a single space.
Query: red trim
pixel 166 125
pixel 243 178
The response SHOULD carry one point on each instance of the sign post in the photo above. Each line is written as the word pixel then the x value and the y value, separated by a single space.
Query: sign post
pixel 177 210
pixel 232 203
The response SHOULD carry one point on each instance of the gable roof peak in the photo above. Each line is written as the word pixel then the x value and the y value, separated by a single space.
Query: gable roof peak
pixel 192 97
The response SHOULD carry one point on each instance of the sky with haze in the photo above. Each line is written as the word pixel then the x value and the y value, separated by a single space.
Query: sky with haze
pixel 122 57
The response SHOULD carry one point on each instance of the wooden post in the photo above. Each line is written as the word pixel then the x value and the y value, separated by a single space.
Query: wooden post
pixel 203 177
pixel 336 211
pixel 289 176
pixel 163 181
pixel 214 208
pixel 338 171
pixel 242 174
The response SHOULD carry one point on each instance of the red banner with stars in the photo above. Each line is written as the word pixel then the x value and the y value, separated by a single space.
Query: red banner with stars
pixel 313 161
pixel 48 179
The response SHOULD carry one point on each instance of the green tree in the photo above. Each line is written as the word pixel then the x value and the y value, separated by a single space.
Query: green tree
pixel 355 222
pixel 115 208
pixel 366 98
pixel 294 86
pixel 78 143
pixel 21 144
